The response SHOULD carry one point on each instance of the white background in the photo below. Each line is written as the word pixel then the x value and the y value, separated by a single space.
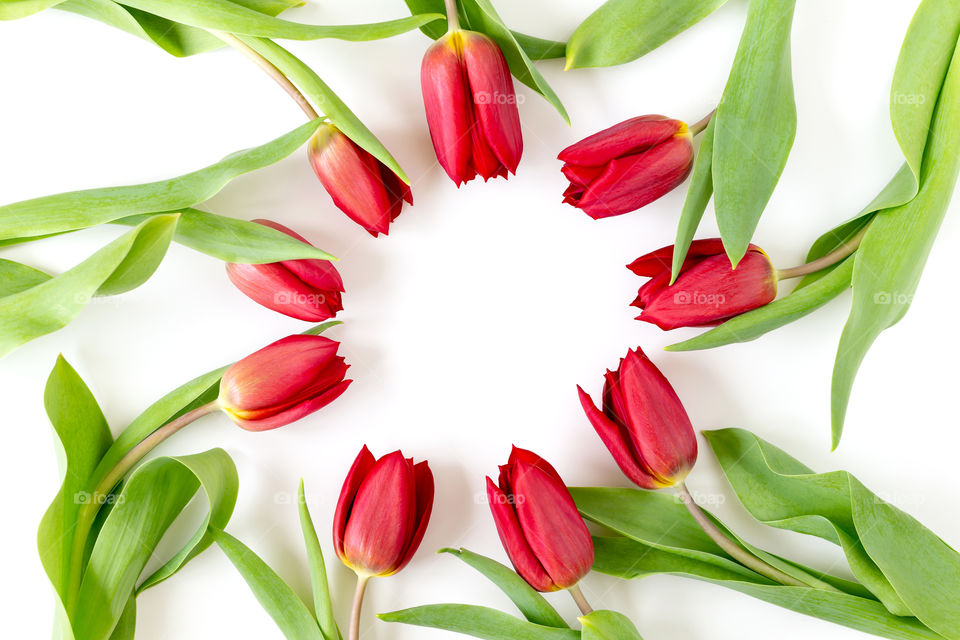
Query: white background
pixel 468 327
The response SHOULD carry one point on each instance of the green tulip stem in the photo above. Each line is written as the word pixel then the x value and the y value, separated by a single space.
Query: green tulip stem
pixel 580 599
pixel 270 69
pixel 89 510
pixel 700 125
pixel 733 549
pixel 453 18
pixel 357 606
pixel 840 253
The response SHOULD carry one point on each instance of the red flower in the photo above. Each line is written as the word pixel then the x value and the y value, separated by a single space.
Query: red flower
pixel 361 186
pixel 643 424
pixel 539 524
pixel 304 289
pixel 283 382
pixel 627 166
pixel 471 107
pixel 707 291
pixel 382 513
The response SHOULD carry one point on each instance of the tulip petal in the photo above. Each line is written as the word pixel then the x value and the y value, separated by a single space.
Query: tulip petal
pixel 631 182
pixel 656 421
pixel 352 178
pixel 711 292
pixel 277 287
pixel 626 138
pixel 551 524
pixel 494 99
pixel 530 458
pixel 292 413
pixel 358 471
pixel 617 442
pixel 483 160
pixel 423 478
pixel 383 517
pixel 656 262
pixel 652 288
pixel 446 99
pixel 579 175
pixel 511 535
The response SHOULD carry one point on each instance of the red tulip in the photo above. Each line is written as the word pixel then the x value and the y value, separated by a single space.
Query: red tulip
pixel 539 524
pixel 361 186
pixel 304 289
pixel 627 166
pixel 471 107
pixel 382 513
pixel 707 291
pixel 283 382
pixel 643 424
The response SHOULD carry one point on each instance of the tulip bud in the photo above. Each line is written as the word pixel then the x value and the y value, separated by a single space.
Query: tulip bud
pixel 643 424
pixel 361 186
pixel 707 291
pixel 283 382
pixel 382 513
pixel 539 524
pixel 471 107
pixel 303 289
pixel 627 166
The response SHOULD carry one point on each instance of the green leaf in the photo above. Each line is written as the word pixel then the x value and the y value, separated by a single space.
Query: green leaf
pixel 536 48
pixel 324 99
pixel 630 559
pixel 624 30
pixel 220 483
pixel 233 240
pixel 895 249
pixel 484 18
pixel 84 435
pixel 277 598
pixel 698 195
pixel 223 15
pixel 174 38
pixel 608 625
pixel 82 209
pixel 16 277
pixel 479 622
pixel 152 498
pixel 782 492
pixel 14 9
pixel 54 303
pixel 753 324
pixel 322 605
pixel 756 122
pixel 532 605
pixel 127 625
pixel 909 568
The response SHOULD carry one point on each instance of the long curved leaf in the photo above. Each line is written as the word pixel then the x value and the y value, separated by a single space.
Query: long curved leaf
pixel 233 240
pixel 14 9
pixel 623 30
pixel 223 15
pixel 277 598
pixel 909 568
pixel 151 500
pixel 479 622
pixel 532 605
pixel 54 303
pixel 756 122
pixel 82 209
pixel 608 625
pixel 322 605
pixel 323 97
pixel 894 250
pixel 698 196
